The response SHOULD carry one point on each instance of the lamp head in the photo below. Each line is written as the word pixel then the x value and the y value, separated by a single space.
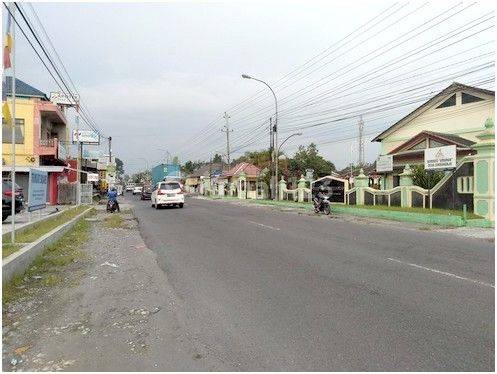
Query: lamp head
pixel 246 76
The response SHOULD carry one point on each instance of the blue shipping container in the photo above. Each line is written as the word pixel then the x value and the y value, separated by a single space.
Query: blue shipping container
pixel 164 171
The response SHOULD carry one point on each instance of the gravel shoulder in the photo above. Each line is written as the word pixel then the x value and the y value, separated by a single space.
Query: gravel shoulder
pixel 114 310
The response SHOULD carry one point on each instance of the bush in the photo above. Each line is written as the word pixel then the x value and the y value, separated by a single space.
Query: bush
pixel 425 179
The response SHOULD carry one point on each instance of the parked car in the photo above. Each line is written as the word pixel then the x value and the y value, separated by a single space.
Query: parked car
pixel 7 187
pixel 7 201
pixel 130 187
pixel 167 193
pixel 146 193
pixel 137 190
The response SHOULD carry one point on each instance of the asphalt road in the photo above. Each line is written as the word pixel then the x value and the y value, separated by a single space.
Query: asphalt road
pixel 268 290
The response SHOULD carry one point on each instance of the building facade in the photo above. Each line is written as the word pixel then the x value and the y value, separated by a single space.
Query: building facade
pixel 41 141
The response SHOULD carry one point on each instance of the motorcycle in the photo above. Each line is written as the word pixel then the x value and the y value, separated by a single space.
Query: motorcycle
pixel 111 206
pixel 323 206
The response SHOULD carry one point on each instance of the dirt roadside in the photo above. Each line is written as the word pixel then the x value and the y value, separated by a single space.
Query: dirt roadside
pixel 114 310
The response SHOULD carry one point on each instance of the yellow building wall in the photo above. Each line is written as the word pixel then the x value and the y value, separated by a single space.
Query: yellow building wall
pixel 24 152
pixel 465 121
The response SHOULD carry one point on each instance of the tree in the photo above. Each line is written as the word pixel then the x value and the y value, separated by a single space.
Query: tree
pixel 309 158
pixel 119 167
pixel 142 177
pixel 190 166
pixel 425 179
pixel 217 158
pixel 175 160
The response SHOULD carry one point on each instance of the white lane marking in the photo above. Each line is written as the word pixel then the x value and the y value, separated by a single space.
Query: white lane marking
pixel 263 225
pixel 442 273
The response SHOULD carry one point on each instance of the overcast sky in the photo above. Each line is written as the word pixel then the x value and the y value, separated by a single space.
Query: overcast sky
pixel 154 75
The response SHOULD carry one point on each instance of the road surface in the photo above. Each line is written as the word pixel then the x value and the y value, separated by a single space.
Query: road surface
pixel 263 289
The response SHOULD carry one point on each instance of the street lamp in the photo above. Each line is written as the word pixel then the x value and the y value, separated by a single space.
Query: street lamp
pixel 275 131
pixel 284 141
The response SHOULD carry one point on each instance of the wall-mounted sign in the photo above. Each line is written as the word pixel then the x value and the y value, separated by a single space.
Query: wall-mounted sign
pixel 440 158
pixel 85 137
pixel 61 98
pixel 384 163
pixel 37 195
pixel 92 177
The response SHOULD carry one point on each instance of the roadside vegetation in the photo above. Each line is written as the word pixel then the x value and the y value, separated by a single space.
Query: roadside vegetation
pixel 47 269
pixel 114 221
pixel 38 230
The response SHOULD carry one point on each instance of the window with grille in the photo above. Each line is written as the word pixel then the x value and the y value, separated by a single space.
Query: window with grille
pixel 465 184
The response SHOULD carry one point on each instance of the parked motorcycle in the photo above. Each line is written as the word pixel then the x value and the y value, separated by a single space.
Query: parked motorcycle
pixel 323 206
pixel 111 206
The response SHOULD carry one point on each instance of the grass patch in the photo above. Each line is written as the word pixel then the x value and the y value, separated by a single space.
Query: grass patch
pixel 444 212
pixel 114 221
pixel 50 264
pixel 39 229
pixel 286 203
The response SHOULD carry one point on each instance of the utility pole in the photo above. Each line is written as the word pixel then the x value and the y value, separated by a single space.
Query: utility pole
pixel 110 149
pixel 361 141
pixel 227 130
pixel 13 134
pixel 271 155
pixel 78 163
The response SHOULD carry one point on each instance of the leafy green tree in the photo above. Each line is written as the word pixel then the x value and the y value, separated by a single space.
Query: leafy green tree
pixel 217 159
pixel 309 158
pixel 190 166
pixel 119 167
pixel 425 179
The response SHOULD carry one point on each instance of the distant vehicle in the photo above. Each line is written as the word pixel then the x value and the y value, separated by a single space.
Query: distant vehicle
pixel 7 200
pixel 119 189
pixel 146 193
pixel 167 193
pixel 137 190
pixel 165 172
pixel 129 187
pixel 323 206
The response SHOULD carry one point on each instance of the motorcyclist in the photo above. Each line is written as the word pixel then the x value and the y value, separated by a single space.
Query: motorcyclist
pixel 320 196
pixel 112 196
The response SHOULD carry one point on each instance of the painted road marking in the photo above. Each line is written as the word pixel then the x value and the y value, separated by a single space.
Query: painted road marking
pixel 263 225
pixel 442 273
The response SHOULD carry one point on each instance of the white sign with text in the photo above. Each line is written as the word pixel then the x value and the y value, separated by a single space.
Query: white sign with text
pixel 440 158
pixel 384 163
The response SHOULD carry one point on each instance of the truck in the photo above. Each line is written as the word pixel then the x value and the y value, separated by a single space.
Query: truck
pixel 164 172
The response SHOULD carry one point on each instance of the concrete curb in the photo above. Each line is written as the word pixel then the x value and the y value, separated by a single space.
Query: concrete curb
pixel 19 261
pixel 30 224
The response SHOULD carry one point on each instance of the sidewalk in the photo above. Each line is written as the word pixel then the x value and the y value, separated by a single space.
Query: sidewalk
pixel 114 310
pixel 25 217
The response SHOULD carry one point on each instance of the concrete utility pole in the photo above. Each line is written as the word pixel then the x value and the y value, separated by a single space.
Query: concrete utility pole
pixel 78 163
pixel 271 155
pixel 13 134
pixel 110 149
pixel 361 141
pixel 227 130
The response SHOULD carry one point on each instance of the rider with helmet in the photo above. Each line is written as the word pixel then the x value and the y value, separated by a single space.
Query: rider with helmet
pixel 320 195
pixel 112 196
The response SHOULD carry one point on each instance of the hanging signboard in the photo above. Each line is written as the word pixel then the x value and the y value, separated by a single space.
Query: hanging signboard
pixel 92 177
pixel 37 195
pixel 62 98
pixel 309 174
pixel 384 163
pixel 440 158
pixel 85 137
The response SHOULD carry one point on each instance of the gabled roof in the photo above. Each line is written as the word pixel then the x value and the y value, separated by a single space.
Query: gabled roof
pixel 22 89
pixel 448 139
pixel 249 169
pixel 454 87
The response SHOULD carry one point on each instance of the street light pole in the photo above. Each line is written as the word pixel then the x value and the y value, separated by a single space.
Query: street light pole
pixel 284 141
pixel 275 132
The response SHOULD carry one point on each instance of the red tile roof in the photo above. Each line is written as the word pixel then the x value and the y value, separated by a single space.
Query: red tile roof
pixel 250 170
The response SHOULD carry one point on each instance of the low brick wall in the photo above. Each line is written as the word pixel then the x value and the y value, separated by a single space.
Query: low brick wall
pixel 19 261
